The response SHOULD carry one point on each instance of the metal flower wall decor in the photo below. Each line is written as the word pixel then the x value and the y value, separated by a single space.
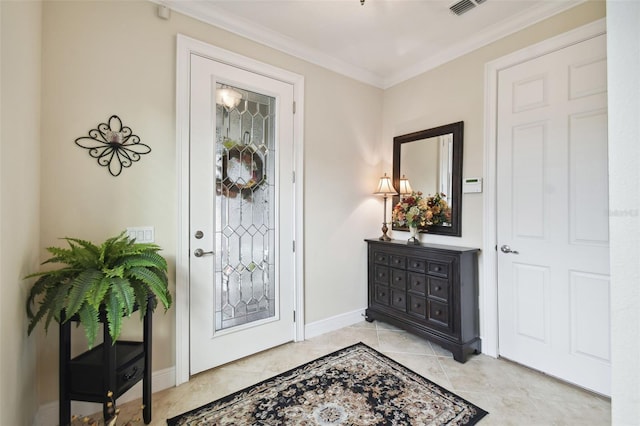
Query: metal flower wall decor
pixel 114 145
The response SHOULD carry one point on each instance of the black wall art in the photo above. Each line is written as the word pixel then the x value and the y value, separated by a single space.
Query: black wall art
pixel 113 145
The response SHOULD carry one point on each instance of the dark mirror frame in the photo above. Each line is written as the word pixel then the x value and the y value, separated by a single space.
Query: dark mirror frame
pixel 457 129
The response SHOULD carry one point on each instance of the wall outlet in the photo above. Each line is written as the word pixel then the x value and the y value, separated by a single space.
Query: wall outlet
pixel 142 234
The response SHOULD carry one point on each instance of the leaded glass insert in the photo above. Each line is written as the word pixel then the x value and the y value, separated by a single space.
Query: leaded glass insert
pixel 245 206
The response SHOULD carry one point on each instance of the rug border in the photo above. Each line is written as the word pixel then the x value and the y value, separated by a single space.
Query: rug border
pixel 481 413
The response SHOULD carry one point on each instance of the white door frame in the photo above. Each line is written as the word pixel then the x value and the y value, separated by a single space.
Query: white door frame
pixel 185 47
pixel 489 292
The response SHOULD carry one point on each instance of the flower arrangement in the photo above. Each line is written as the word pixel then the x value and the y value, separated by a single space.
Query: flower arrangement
pixel 412 211
pixel 440 210
pixel 416 211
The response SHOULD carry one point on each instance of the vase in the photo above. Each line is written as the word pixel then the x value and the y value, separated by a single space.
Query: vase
pixel 413 235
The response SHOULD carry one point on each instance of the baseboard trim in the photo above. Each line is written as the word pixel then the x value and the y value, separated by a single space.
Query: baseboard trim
pixel 333 323
pixel 47 414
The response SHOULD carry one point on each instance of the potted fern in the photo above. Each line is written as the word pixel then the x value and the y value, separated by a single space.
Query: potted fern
pixel 112 279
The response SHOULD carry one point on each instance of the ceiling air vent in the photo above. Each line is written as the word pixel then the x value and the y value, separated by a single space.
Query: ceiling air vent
pixel 464 6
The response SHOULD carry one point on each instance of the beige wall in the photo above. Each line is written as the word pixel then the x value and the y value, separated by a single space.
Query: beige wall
pixel 19 203
pixel 111 57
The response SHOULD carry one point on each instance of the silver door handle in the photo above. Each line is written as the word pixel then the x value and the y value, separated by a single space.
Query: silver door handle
pixel 506 249
pixel 199 252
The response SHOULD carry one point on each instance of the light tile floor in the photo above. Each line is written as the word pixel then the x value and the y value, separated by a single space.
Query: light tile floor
pixel 513 395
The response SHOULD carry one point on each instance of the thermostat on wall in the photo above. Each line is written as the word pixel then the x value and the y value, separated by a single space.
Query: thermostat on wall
pixel 472 185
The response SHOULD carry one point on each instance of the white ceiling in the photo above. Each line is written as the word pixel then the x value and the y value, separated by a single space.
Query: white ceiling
pixel 382 42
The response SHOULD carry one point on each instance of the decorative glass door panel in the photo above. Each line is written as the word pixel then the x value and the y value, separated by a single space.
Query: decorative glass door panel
pixel 245 203
pixel 241 271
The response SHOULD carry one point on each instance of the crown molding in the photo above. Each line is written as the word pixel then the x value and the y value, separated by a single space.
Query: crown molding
pixel 494 33
pixel 212 15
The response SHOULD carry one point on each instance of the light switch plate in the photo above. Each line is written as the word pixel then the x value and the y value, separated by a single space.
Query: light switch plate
pixel 142 234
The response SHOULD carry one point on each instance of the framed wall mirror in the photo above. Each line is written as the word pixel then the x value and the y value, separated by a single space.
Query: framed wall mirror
pixel 431 160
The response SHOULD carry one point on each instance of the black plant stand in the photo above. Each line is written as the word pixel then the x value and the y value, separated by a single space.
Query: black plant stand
pixel 106 367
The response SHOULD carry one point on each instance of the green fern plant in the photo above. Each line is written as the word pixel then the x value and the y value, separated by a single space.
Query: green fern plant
pixel 114 279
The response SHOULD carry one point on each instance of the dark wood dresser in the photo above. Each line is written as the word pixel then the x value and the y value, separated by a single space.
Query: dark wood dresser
pixel 427 289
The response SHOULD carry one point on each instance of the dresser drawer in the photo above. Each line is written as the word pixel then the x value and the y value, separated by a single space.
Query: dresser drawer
pixel 381 295
pixel 380 258
pixel 130 374
pixel 86 375
pixel 398 279
pixel 381 274
pixel 416 264
pixel 398 262
pixel 399 300
pixel 417 306
pixel 417 283
pixel 438 313
pixel 440 269
pixel 439 289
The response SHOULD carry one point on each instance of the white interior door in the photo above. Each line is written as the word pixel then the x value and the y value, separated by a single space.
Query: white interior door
pixel 241 213
pixel 552 186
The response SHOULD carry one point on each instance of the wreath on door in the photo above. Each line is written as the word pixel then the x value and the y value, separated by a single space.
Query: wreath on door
pixel 242 171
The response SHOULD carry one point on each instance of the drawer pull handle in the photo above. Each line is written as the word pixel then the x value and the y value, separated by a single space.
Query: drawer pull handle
pixel 418 305
pixel 437 269
pixel 438 312
pixel 438 288
pixel 129 376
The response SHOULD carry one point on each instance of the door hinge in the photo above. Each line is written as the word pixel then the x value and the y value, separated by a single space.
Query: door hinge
pixel 294 316
pixel 496 248
pixel 294 246
pixel 293 177
pixel 294 107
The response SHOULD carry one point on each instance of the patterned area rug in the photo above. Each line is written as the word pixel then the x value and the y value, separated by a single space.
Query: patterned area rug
pixel 353 386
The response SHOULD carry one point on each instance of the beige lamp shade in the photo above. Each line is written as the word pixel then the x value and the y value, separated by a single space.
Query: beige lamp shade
pixel 385 187
pixel 405 186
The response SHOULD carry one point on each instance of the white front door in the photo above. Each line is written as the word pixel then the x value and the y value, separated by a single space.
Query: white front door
pixel 552 225
pixel 241 213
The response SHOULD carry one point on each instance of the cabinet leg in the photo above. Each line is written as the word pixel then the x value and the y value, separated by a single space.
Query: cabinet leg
pixel 64 409
pixel 367 318
pixel 146 380
pixel 146 413
pixel 106 415
pixel 459 355
pixel 64 416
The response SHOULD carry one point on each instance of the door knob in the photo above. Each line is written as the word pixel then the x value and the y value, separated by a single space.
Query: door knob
pixel 199 252
pixel 506 249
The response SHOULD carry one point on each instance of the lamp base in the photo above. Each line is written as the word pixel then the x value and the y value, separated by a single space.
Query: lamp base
pixel 384 236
